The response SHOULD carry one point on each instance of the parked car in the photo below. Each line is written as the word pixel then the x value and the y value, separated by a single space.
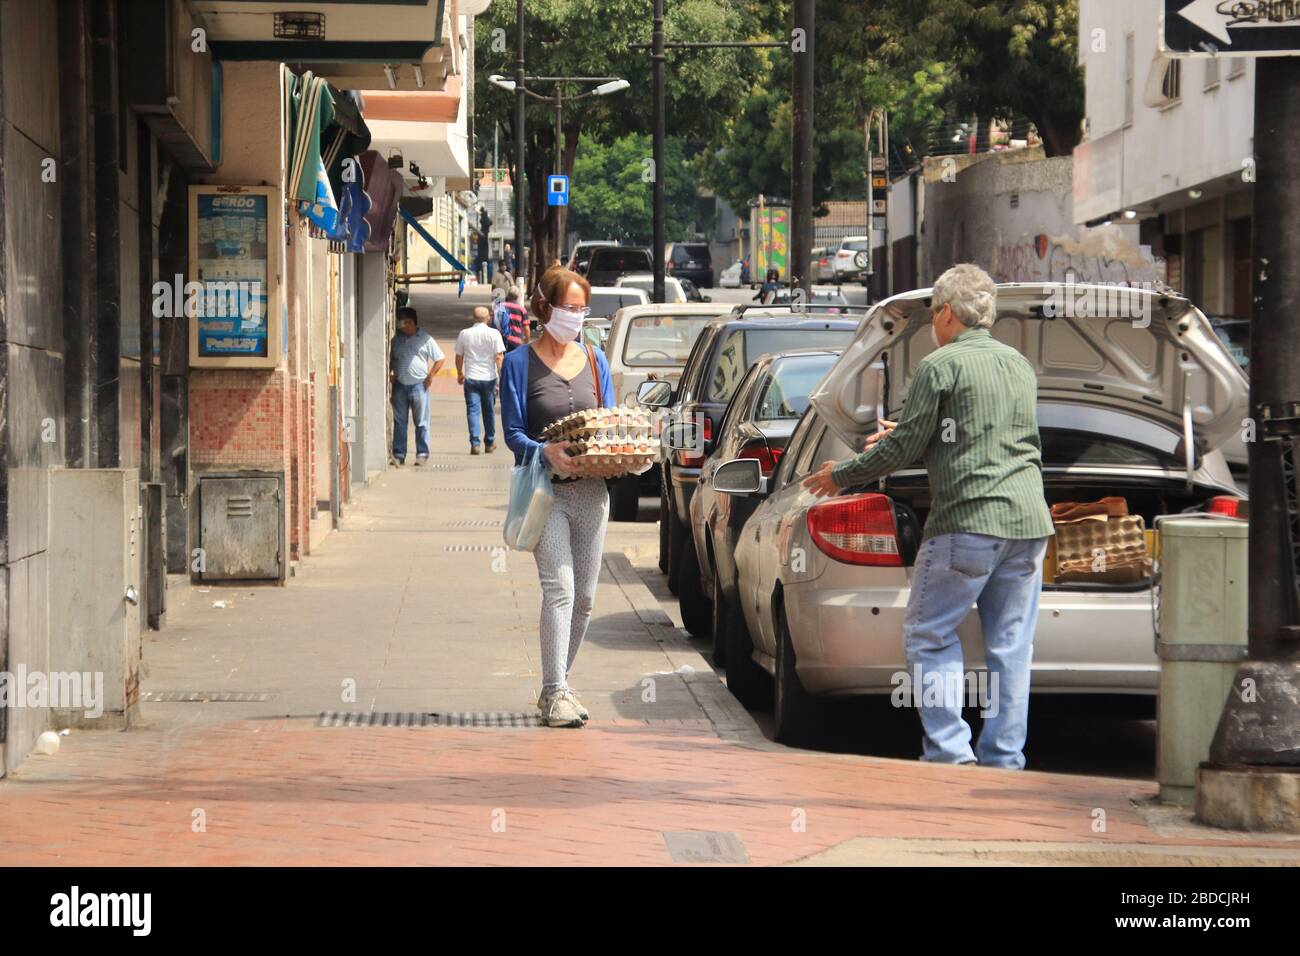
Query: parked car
pixel 690 260
pixel 649 342
pixel 730 278
pixel 609 262
pixel 824 267
pixel 722 354
pixel 1112 400
pixel 606 300
pixel 673 291
pixel 581 254
pixel 852 259
pixel 757 424
pixel 693 294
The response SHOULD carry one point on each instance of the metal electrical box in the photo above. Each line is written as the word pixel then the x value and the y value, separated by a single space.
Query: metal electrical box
pixel 96 544
pixel 241 522
pixel 1201 637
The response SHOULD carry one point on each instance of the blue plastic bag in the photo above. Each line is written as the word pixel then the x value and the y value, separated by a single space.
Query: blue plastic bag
pixel 531 497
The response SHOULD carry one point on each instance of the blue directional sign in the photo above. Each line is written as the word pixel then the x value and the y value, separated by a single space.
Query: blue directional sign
pixel 557 190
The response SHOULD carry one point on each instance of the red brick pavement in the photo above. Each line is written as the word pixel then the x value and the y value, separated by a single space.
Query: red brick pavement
pixel 287 792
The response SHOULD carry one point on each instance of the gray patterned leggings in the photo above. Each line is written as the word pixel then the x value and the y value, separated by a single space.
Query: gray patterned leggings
pixel 568 564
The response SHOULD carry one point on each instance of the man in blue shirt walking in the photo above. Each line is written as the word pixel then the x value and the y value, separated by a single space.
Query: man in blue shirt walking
pixel 413 362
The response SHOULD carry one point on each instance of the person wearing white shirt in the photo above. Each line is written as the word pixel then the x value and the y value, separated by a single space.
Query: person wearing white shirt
pixel 414 360
pixel 479 350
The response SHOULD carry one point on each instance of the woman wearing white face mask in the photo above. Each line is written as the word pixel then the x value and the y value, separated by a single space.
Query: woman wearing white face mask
pixel 539 384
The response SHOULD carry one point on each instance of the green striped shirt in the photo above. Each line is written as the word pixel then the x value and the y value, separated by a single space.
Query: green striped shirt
pixel 972 411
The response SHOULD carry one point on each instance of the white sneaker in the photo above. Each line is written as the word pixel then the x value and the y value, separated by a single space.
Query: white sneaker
pixel 582 710
pixel 561 710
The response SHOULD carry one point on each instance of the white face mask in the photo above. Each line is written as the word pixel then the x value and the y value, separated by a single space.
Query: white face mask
pixel 563 325
pixel 934 337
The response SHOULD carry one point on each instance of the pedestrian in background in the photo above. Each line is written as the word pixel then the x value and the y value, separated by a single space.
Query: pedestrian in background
pixel 768 290
pixel 512 321
pixel 987 530
pixel 546 380
pixel 502 280
pixel 414 360
pixel 508 258
pixel 479 350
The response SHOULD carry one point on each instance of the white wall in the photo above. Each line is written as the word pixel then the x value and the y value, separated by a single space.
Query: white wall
pixel 1163 150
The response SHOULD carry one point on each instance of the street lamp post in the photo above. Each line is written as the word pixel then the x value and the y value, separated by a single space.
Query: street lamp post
pixel 518 185
pixel 607 85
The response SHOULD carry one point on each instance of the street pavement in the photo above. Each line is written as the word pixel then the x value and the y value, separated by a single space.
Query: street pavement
pixel 377 710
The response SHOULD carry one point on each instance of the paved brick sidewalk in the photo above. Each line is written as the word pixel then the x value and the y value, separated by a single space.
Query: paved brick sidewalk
pixel 405 606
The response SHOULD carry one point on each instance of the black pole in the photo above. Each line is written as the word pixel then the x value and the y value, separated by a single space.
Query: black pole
pixel 521 227
pixel 660 107
pixel 1260 725
pixel 801 164
pixel 559 167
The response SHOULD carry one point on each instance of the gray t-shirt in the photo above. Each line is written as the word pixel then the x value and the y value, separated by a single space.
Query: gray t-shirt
pixel 551 397
pixel 413 355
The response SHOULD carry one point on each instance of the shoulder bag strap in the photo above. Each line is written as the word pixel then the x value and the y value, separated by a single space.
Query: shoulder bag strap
pixel 595 376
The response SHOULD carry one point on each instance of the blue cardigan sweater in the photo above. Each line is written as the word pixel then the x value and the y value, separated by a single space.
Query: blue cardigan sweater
pixel 514 398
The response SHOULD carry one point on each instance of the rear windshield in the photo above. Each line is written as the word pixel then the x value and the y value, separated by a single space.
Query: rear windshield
pixel 605 304
pixel 662 339
pixel 742 346
pixel 856 245
pixel 683 252
pixel 624 260
pixel 785 394
pixel 1062 448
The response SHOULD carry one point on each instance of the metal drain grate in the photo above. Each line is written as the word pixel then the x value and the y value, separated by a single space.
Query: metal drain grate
pixel 203 696
pixel 489 523
pixel 495 719
pixel 491 548
pixel 704 846
pixel 497 489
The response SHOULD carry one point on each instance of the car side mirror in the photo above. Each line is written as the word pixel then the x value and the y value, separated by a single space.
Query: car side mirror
pixel 655 393
pixel 740 476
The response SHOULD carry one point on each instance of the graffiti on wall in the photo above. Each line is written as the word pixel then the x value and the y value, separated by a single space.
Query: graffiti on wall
pixel 1099 255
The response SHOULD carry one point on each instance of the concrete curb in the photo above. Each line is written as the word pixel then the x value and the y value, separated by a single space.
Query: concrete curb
pixel 730 720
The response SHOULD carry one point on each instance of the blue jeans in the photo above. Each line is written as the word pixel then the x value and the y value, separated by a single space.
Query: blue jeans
pixel 1003 579
pixel 478 405
pixel 415 400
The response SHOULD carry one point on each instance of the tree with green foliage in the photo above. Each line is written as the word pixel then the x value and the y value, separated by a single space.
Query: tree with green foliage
pixel 611 194
pixel 592 38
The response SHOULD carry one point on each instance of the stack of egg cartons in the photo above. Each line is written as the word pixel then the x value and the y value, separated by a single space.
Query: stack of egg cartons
pixel 607 442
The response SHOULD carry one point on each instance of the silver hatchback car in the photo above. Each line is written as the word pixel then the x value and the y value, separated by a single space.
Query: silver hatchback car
pixel 1137 399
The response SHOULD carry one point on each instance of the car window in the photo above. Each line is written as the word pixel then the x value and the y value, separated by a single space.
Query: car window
pixel 830 447
pixel 855 245
pixel 694 361
pixel 605 304
pixel 738 408
pixel 622 260
pixel 729 368
pixel 661 339
pixel 803 463
pixel 784 395
pixel 1062 448
pixel 792 448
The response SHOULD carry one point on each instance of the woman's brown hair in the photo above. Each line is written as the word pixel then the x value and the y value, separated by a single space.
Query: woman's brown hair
pixel 555 282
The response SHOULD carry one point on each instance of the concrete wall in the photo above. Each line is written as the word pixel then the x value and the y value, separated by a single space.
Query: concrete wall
pixel 1012 214
pixel 370 449
pixel 31 348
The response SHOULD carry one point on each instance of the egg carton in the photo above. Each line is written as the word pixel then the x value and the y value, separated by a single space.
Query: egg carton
pixel 1121 541
pixel 597 465
pixel 593 420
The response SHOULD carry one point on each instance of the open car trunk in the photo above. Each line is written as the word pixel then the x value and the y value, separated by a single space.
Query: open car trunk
pixel 1147 497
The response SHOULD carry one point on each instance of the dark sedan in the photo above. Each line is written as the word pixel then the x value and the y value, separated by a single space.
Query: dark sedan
pixel 757 424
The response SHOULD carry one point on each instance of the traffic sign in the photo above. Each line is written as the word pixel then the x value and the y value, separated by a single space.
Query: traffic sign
pixel 557 190
pixel 878 207
pixel 877 164
pixel 1207 28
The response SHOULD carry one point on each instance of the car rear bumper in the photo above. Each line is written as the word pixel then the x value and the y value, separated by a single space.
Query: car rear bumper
pixel 850 641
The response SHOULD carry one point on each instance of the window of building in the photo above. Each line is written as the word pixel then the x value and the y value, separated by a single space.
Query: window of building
pixel 1171 87
pixel 1236 67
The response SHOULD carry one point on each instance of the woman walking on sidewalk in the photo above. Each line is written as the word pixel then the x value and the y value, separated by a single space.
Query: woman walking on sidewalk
pixel 539 383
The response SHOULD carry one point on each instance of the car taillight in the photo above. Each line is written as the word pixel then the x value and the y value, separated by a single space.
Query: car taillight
pixel 767 458
pixel 858 529
pixel 1229 506
pixel 690 459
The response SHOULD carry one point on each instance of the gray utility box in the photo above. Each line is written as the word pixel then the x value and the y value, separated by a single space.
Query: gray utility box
pixel 96 542
pixel 1200 641
pixel 241 528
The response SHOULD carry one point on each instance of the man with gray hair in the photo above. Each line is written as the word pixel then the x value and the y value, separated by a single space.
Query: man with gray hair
pixel 971 410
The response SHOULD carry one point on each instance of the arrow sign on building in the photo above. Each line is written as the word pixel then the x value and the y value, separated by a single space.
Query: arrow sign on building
pixel 1232 27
